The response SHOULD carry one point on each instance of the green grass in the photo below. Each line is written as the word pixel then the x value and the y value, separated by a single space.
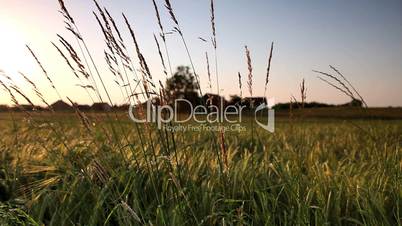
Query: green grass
pixel 324 166
pixel 316 172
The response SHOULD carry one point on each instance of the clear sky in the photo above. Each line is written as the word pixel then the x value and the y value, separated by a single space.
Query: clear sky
pixel 362 38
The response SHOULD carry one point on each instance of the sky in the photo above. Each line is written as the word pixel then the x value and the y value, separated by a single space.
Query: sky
pixel 362 38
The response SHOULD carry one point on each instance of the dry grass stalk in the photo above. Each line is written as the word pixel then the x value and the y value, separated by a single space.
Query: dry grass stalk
pixel 147 77
pixel 117 74
pixel 303 93
pixel 115 27
pixel 178 30
pixel 83 46
pixel 66 60
pixel 36 90
pixel 115 71
pixel 240 85
pixel 86 86
pixel 72 27
pixel 108 27
pixel 131 211
pixel 105 34
pixel 214 43
pixel 291 110
pixel 65 12
pixel 250 72
pixel 295 101
pixel 5 76
pixel 109 59
pixel 162 34
pixel 162 94
pixel 268 69
pixel 213 24
pixel 81 70
pixel 137 48
pixel 158 17
pixel 12 96
pixel 17 90
pixel 172 15
pixel 83 118
pixel 74 56
pixel 349 83
pixel 69 21
pixel 202 39
pixel 113 45
pixel 342 86
pixel 160 55
pixel 209 72
pixel 98 172
pixel 43 70
pixel 337 87
pixel 223 149
pixel 345 88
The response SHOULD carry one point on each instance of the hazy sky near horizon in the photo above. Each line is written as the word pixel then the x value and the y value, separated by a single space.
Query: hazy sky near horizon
pixel 362 38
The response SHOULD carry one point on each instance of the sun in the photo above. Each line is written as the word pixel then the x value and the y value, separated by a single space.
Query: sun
pixel 13 53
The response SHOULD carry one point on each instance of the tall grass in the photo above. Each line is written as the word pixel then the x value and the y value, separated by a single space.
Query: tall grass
pixel 310 173
pixel 101 169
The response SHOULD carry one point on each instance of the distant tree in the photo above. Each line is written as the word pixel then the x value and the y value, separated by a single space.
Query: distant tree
pixel 356 103
pixel 182 85
pixel 295 105
pixel 235 99
pixel 352 103
pixel 4 108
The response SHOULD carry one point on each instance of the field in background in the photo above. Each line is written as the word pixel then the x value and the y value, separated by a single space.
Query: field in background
pixel 345 113
pixel 315 171
pixel 391 113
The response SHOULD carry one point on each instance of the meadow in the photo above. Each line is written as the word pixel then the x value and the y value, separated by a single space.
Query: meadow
pixel 314 172
pixel 327 166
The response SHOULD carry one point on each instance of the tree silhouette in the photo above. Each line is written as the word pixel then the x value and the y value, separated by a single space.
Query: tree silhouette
pixel 182 85
pixel 235 100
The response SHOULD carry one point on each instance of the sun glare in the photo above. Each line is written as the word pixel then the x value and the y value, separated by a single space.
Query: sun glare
pixel 13 54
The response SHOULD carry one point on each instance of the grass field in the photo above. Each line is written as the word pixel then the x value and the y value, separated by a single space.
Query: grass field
pixel 339 165
pixel 315 172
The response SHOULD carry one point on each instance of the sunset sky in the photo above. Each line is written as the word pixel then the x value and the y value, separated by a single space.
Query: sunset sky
pixel 362 38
